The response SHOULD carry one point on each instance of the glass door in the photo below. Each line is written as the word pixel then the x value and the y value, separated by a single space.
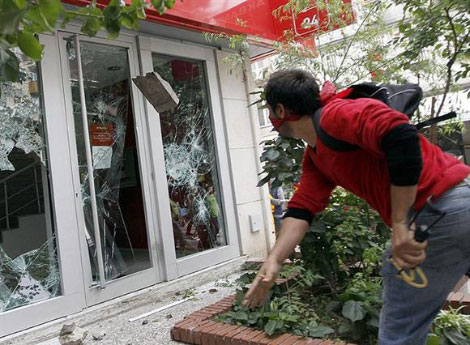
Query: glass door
pixel 195 200
pixel 191 159
pixel 113 209
pixel 40 270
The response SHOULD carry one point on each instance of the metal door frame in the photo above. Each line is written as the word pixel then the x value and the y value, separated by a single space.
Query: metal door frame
pixel 94 294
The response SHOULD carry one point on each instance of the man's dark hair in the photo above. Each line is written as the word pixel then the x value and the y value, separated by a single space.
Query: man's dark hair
pixel 295 89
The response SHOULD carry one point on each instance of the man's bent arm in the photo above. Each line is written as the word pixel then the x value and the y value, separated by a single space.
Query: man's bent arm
pixel 402 200
pixel 406 251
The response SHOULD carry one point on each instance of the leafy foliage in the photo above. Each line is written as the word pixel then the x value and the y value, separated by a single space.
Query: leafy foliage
pixel 450 328
pixel 440 27
pixel 429 46
pixel 333 290
pixel 22 20
pixel 282 157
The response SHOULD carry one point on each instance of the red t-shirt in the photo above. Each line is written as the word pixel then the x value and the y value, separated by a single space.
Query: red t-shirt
pixel 364 122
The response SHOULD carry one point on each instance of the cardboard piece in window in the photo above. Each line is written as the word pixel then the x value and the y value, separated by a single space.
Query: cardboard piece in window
pixel 157 91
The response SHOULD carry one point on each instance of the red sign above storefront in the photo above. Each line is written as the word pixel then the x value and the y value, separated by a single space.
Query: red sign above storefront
pixel 251 17
pixel 309 21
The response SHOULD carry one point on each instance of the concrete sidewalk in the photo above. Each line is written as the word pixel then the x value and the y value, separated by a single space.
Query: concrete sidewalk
pixel 109 323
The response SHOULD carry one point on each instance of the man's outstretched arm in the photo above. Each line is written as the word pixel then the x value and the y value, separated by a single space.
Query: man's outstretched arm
pixel 292 232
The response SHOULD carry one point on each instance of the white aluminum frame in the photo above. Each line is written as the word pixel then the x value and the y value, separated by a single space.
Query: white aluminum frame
pixel 72 298
pixel 182 266
pixel 147 277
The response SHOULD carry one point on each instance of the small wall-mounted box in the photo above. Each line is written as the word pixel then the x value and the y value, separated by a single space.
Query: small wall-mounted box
pixel 255 222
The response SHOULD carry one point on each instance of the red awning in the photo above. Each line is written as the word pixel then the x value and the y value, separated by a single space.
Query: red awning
pixel 251 17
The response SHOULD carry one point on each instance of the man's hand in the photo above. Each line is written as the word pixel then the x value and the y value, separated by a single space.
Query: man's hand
pixel 406 252
pixel 263 282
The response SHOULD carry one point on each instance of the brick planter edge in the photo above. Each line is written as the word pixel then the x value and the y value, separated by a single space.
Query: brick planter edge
pixel 457 300
pixel 198 328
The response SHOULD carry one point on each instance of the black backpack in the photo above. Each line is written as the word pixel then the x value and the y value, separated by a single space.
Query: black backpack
pixel 404 98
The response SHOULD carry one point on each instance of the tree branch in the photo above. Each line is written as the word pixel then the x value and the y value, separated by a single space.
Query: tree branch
pixel 382 65
pixel 338 73
pixel 454 33
pixel 450 63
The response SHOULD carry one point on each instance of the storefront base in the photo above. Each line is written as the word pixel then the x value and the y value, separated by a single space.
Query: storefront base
pixel 210 284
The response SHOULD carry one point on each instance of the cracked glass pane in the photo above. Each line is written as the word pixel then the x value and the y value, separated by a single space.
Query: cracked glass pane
pixel 29 270
pixel 20 111
pixel 121 217
pixel 190 158
pixel 29 278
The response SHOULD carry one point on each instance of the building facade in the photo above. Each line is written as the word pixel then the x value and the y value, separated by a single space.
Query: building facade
pixel 102 195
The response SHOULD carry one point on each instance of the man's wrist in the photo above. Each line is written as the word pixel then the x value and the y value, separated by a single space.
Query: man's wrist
pixel 274 257
pixel 399 223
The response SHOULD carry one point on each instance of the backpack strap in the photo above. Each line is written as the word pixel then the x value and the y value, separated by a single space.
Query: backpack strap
pixel 329 141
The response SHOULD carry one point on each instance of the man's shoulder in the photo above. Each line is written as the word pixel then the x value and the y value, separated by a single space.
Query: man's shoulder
pixel 345 110
pixel 341 103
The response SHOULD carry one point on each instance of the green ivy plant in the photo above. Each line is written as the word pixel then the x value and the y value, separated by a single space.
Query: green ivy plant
pixel 22 20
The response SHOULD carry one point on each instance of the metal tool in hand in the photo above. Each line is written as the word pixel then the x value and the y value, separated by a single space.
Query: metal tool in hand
pixel 421 234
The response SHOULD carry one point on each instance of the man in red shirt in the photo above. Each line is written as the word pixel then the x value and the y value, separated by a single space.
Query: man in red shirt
pixel 397 171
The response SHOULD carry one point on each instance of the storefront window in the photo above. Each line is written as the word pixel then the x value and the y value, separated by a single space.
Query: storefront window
pixel 29 270
pixel 190 158
pixel 121 216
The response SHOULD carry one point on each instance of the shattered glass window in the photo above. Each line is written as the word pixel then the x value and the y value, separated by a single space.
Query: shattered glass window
pixel 111 126
pixel 190 158
pixel 29 270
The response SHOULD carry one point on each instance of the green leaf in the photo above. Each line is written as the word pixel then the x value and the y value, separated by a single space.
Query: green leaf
pixel 129 21
pixel 333 306
pixel 354 310
pixel 270 327
pixel 263 181
pixel 50 9
pixel 318 227
pixel 139 6
pixel 156 3
pixel 272 155
pixel 10 19
pixel 170 3
pixel 38 18
pixel 111 20
pixel 459 28
pixel 373 322
pixel 455 336
pixel 240 316
pixel 30 45
pixel 434 340
pixel 159 5
pixel 21 4
pixel 91 26
pixel 9 64
pixel 319 331
pixel 11 39
pixel 344 328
